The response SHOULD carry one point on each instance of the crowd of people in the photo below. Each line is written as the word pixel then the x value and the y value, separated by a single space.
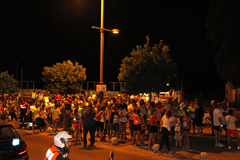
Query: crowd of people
pixel 119 116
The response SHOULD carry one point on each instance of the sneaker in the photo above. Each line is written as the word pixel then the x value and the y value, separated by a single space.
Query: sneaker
pixel 238 147
pixel 170 152
pixel 149 149
pixel 220 145
pixel 159 153
pixel 229 147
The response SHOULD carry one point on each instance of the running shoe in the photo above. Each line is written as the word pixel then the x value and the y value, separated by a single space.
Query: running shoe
pixel 159 153
pixel 229 147
pixel 137 145
pixel 220 145
pixel 170 152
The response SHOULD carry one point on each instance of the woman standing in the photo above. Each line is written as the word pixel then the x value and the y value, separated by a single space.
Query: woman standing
pixel 231 128
pixel 166 125
pixel 153 126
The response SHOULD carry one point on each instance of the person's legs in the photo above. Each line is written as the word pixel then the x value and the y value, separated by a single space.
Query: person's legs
pixel 236 136
pixel 167 141
pixel 164 138
pixel 138 136
pixel 187 138
pixel 131 127
pixel 149 139
pixel 228 139
pixel 85 131
pixel 124 129
pixel 219 136
pixel 133 137
pixel 92 133
pixel 216 137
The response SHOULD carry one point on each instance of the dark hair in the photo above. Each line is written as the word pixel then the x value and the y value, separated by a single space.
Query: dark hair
pixel 153 111
pixel 230 112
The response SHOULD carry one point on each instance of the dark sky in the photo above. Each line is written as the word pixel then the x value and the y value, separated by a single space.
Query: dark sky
pixel 42 32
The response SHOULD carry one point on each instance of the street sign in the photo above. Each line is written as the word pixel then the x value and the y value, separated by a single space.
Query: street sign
pixel 101 88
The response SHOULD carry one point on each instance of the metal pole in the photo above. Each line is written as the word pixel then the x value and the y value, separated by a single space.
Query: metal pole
pixel 102 42
pixel 101 48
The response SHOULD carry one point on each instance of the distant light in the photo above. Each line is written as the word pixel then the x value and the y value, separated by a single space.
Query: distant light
pixel 15 142
pixel 115 31
pixel 167 84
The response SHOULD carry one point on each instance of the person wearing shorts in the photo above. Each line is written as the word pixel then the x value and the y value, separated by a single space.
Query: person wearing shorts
pixel 136 128
pixel 217 122
pixel 153 128
pixel 231 128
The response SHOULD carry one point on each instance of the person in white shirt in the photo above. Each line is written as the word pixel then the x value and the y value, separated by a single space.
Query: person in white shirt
pixel 231 128
pixel 217 122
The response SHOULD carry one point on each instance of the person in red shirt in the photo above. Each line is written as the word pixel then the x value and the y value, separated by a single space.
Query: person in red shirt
pixel 153 128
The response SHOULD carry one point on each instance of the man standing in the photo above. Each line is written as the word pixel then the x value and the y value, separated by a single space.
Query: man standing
pixel 88 125
pixel 217 122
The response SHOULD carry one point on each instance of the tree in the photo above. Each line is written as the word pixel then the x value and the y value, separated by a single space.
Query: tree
pixel 148 69
pixel 223 25
pixel 64 78
pixel 8 84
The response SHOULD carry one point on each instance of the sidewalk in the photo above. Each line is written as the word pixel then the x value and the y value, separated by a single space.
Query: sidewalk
pixel 198 144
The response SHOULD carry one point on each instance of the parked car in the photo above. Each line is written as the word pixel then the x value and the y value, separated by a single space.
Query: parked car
pixel 12 146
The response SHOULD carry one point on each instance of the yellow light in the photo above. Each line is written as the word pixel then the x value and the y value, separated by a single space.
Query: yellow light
pixel 167 84
pixel 115 31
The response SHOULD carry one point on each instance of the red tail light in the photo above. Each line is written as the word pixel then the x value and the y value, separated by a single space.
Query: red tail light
pixel 23 149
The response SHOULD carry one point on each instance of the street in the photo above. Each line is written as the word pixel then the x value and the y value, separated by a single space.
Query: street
pixel 38 145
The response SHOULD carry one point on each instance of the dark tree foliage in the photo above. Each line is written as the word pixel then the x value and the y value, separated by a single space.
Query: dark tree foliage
pixel 223 25
pixel 148 69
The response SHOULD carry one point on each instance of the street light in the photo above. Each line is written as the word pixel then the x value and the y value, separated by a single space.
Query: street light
pixel 102 29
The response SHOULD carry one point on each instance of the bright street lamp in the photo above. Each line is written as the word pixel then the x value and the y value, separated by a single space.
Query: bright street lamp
pixel 102 29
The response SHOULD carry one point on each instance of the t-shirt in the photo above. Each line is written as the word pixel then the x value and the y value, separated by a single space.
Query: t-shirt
pixel 159 113
pixel 231 125
pixel 186 122
pixel 35 112
pixel 55 113
pixel 166 122
pixel 153 119
pixel 216 114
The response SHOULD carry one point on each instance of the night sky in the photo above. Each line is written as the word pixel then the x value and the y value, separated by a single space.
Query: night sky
pixel 42 32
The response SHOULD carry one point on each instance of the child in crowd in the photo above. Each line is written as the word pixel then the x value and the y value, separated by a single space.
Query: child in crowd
pixel 186 121
pixel 178 135
pixel 231 128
